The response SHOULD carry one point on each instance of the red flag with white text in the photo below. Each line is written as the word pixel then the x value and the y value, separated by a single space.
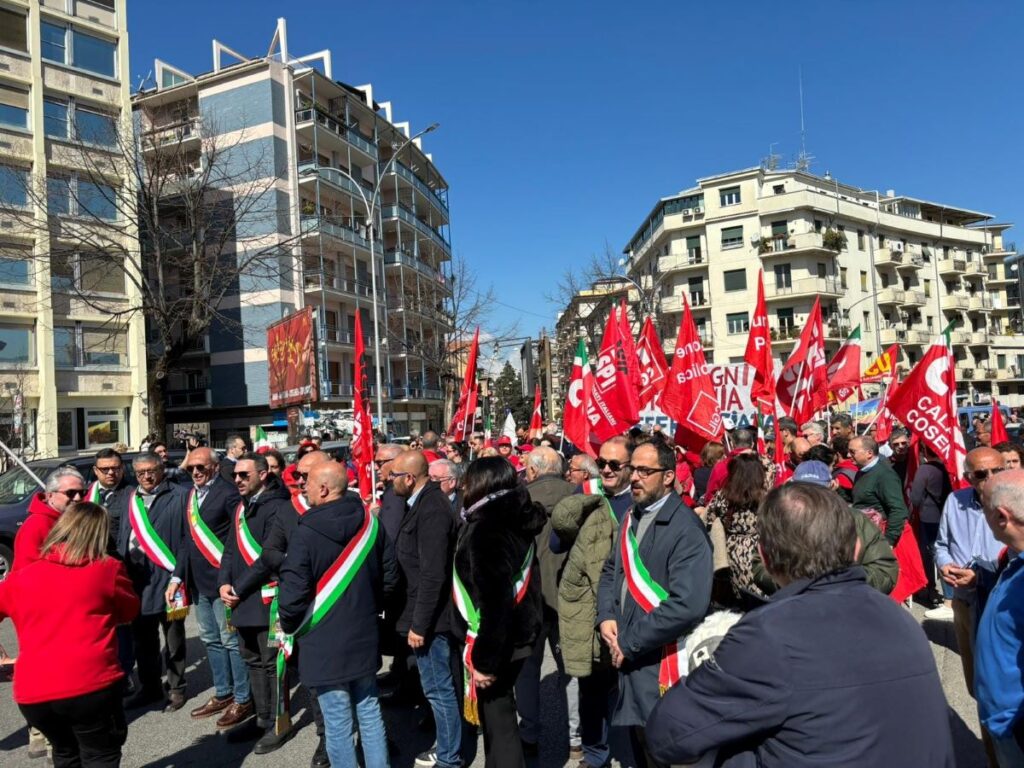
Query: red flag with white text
pixel 843 371
pixel 613 406
pixel 575 424
pixel 466 409
pixel 689 396
pixel 801 388
pixel 758 356
pixel 536 420
pixel 653 368
pixel 362 429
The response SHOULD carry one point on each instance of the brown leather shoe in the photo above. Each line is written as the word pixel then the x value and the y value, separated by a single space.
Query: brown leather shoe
pixel 212 707
pixel 235 714
pixel 175 701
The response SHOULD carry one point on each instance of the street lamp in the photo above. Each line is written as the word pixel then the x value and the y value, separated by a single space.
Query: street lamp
pixel 371 206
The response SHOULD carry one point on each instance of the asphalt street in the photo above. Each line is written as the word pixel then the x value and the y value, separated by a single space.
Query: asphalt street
pixel 158 740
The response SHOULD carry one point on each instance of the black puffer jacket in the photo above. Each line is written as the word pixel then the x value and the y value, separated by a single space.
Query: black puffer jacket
pixel 492 547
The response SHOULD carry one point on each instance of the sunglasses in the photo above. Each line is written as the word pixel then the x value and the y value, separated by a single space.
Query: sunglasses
pixel 108 470
pixel 613 465
pixel 74 493
pixel 243 475
pixel 198 468
pixel 979 475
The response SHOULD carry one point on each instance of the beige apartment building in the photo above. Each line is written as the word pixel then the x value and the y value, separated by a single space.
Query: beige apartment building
pixel 902 268
pixel 71 378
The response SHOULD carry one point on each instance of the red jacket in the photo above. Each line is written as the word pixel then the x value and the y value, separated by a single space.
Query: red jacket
pixel 33 532
pixel 65 617
pixel 720 473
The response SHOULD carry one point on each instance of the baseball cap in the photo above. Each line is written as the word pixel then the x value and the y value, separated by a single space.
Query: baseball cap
pixel 525 448
pixel 814 472
pixel 504 440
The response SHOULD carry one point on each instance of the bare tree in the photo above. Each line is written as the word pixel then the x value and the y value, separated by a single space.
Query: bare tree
pixel 172 220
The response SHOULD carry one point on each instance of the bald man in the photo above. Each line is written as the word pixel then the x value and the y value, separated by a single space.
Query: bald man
pixel 339 656
pixel 425 546
pixel 302 470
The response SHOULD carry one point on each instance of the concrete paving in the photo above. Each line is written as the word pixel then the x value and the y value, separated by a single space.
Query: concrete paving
pixel 158 740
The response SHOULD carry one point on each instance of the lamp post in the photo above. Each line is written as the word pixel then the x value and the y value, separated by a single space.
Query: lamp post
pixel 371 206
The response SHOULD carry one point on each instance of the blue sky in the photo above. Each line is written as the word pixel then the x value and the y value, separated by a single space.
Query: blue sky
pixel 563 122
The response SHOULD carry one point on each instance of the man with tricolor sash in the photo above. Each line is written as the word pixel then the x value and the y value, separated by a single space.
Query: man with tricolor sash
pixel 151 542
pixel 248 587
pixel 655 588
pixel 211 501
pixel 331 591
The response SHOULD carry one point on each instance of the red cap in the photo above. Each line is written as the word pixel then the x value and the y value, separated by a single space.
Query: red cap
pixel 504 440
pixel 525 448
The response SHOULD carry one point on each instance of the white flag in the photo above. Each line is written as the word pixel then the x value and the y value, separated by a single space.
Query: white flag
pixel 509 428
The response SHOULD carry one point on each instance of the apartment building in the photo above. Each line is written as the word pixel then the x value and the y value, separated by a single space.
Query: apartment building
pixel 328 147
pixel 72 366
pixel 900 267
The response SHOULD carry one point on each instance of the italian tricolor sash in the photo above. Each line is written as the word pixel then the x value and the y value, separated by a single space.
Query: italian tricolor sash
pixel 94 493
pixel 648 594
pixel 205 540
pixel 300 503
pixel 251 550
pixel 149 540
pixel 471 615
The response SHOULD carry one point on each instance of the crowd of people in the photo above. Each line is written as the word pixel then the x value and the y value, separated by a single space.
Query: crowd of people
pixel 727 607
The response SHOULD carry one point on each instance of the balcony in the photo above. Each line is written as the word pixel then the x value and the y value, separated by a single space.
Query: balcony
pixel 784 334
pixel 918 338
pixel 698 301
pixel 415 393
pixel 979 303
pixel 395 257
pixel 406 173
pixel 952 267
pixel 316 281
pixel 966 374
pixel 910 262
pixel 324 225
pixel 341 337
pixel 914 298
pixel 404 214
pixel 998 275
pixel 423 310
pixel 889 336
pixel 891 295
pixel 959 337
pixel 333 126
pixel 953 302
pixel 975 269
pixel 331 176
pixel 992 374
pixel 693 259
pixel 980 338
pixel 887 257
pixel 793 245
pixel 807 286
pixel 189 398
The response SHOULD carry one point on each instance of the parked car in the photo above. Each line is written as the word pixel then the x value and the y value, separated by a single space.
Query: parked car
pixel 17 487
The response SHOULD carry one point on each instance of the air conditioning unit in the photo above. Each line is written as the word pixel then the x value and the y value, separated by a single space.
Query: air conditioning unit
pixel 698 211
pixel 896 246
pixel 686 211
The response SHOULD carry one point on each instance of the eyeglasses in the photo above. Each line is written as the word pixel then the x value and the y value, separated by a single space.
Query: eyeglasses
pixel 378 463
pixel 613 465
pixel 395 475
pixel 108 470
pixel 302 476
pixel 644 472
pixel 243 475
pixel 73 493
pixel 899 445
pixel 580 469
pixel 147 472
pixel 980 475
pixel 198 468
pixel 439 479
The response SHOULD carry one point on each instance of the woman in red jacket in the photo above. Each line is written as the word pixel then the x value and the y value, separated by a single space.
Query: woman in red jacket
pixel 66 608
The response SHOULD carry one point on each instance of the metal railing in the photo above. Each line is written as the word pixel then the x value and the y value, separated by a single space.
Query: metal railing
pixel 335 126
pixel 313 223
pixel 395 256
pixel 404 214
pixel 400 169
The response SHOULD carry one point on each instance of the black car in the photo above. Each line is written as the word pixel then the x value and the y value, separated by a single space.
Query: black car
pixel 17 488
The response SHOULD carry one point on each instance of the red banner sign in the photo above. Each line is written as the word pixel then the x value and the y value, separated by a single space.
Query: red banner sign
pixel 291 355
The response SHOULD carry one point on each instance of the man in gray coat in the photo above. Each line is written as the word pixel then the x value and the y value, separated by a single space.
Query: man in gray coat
pixel 669 540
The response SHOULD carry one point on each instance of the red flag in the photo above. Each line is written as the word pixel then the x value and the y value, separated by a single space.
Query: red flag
pixel 362 429
pixel 759 355
pixel 653 368
pixel 884 422
pixel 911 569
pixel 999 434
pixel 913 463
pixel 613 406
pixel 536 422
pixel 926 403
pixel 575 424
pixel 466 410
pixel 843 373
pixel 802 387
pixel 632 362
pixel 689 396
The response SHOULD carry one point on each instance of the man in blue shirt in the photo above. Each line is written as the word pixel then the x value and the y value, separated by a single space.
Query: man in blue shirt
pixel 999 645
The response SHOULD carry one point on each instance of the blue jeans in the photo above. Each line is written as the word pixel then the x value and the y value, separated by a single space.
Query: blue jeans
pixel 434 663
pixel 337 702
pixel 230 676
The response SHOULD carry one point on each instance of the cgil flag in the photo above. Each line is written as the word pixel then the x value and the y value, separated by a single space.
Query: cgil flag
pixel 536 420
pixel 653 368
pixel 613 406
pixel 801 388
pixel 465 412
pixel 926 403
pixel 758 356
pixel 632 362
pixel 575 424
pixel 362 429
pixel 689 396
pixel 843 373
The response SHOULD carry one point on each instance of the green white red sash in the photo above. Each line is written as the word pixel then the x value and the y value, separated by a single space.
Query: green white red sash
pixel 208 544
pixel 94 493
pixel 329 589
pixel 471 615
pixel 648 594
pixel 300 503
pixel 149 540
pixel 251 550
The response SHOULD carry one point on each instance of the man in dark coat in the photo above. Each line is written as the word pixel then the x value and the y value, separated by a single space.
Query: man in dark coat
pixel 546 487
pixel 164 505
pixel 212 501
pixel 878 487
pixel 110 490
pixel 674 547
pixel 789 685
pixel 339 653
pixel 248 585
pixel 425 547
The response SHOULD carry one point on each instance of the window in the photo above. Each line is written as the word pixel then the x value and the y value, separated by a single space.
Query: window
pixel 62 272
pixel 867 321
pixel 16 345
pixel 783 276
pixel 842 231
pixel 739 322
pixel 780 229
pixel 13 186
pixel 817 225
pixel 779 189
pixel 58 195
pixel 842 278
pixel 927 289
pixel 693 248
pixel 696 287
pixel 97 200
pixel 94 127
pixel 55 118
pixel 822 270
pixel 786 320
pixel 65 351
pixel 860 239
pixel 881 241
pixel 54 40
pixel 863 281
pixel 75 346
pixel 13 105
pixel 732 237
pixel 100 273
pixel 92 53
pixel 736 280
pixel 14 270
pixel 103 427
pixel 13 30
pixel 730 196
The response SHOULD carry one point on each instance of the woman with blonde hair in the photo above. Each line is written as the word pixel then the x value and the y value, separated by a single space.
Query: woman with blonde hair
pixel 66 608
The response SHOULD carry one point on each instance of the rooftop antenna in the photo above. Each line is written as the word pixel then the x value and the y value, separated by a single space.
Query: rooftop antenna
pixel 770 163
pixel 803 160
